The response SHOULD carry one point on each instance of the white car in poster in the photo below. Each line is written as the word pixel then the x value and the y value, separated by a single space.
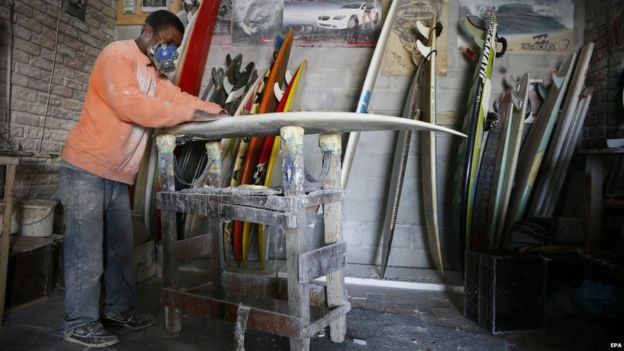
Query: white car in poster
pixel 348 16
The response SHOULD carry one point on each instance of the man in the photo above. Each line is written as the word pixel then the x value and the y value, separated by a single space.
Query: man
pixel 370 12
pixel 127 93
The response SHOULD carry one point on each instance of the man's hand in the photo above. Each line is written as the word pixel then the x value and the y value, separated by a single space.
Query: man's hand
pixel 201 116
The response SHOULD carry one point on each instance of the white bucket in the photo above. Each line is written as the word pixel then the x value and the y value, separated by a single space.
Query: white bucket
pixel 13 219
pixel 37 218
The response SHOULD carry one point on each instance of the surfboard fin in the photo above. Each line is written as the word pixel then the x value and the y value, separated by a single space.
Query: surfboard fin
pixel 422 29
pixel 279 93
pixel 478 33
pixel 423 49
pixel 521 87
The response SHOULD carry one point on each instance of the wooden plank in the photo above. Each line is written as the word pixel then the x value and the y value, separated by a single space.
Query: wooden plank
pixel 322 261
pixel 241 198
pixel 8 160
pixel 6 232
pixel 268 286
pixel 257 216
pixel 217 262
pixel 194 247
pixel 323 197
pixel 602 151
pixel 259 319
pixel 291 147
pixel 333 233
pixel 171 279
pixel 330 318
pixel 175 202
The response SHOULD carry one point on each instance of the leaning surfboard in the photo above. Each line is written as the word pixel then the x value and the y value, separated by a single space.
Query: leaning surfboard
pixel 473 125
pixel 509 160
pixel 428 144
pixel 546 195
pixel 534 147
pixel 411 109
pixel 196 54
pixel 367 91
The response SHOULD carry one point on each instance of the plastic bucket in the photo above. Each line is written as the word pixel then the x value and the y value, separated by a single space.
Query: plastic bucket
pixel 13 219
pixel 37 218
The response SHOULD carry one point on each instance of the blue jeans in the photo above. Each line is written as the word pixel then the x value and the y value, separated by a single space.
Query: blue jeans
pixel 98 244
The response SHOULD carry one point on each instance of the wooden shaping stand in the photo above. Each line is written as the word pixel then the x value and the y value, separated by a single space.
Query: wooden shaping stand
pixel 10 162
pixel 285 210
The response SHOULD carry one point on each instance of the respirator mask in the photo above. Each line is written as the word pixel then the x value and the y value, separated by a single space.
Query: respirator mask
pixel 163 56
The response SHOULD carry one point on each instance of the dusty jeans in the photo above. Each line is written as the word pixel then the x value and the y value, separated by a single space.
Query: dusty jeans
pixel 98 243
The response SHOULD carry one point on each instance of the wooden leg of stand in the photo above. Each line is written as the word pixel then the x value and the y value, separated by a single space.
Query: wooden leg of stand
pixel 298 291
pixel 333 233
pixel 171 279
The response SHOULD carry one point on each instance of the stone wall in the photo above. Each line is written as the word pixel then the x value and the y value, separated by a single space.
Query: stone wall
pixel 34 46
pixel 605 26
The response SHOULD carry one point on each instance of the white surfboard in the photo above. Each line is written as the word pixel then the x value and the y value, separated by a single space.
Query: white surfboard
pixel 311 122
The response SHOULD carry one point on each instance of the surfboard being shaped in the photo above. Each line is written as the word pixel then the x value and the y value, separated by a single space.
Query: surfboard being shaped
pixel 311 122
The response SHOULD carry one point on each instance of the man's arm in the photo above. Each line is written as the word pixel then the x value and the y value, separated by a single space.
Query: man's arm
pixel 173 93
pixel 119 88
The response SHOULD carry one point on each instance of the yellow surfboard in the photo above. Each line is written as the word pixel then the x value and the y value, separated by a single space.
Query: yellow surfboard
pixel 292 103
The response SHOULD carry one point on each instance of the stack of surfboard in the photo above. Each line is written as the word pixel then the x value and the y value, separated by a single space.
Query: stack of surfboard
pixel 547 151
pixel 492 161
pixel 538 170
pixel 250 161
pixel 228 87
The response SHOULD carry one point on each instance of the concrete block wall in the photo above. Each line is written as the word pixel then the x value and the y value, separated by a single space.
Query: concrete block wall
pixel 79 43
pixel 333 83
pixel 605 117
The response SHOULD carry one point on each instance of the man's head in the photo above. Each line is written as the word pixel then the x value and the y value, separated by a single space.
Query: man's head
pixel 161 35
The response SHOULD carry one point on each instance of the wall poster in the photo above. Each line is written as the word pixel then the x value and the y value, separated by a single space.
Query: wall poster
pixel 530 26
pixel 397 60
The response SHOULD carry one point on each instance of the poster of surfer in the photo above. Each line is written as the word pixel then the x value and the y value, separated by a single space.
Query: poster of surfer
pixel 333 22
pixel 530 26
pixel 256 21
pixel 222 35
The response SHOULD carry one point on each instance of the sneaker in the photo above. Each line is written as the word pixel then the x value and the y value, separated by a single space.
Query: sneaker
pixel 131 320
pixel 92 335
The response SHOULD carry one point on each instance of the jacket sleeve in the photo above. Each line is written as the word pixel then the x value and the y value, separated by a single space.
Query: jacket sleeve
pixel 170 92
pixel 120 90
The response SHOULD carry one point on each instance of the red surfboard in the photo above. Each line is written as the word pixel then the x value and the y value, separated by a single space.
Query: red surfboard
pixel 192 70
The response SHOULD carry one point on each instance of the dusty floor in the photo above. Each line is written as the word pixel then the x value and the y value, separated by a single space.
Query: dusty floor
pixel 381 319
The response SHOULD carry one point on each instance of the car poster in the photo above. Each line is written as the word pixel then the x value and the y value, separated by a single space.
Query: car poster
pixel 334 22
pixel 530 26
pixel 397 60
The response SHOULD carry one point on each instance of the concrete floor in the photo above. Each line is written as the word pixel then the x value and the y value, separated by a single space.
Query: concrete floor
pixel 381 319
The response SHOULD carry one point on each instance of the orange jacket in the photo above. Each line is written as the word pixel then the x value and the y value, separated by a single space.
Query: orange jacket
pixel 126 95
